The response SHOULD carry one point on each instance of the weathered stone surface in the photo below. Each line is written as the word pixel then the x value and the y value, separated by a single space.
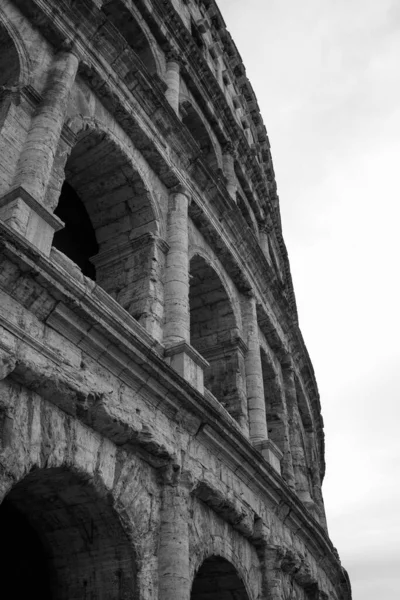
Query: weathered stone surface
pixel 160 426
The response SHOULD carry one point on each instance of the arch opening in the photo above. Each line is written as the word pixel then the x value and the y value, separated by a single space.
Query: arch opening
pixel 11 130
pixel 214 334
pixel 216 579
pixel 9 61
pixel 127 26
pixel 273 403
pixel 199 133
pixel 111 227
pixel 63 541
pixel 77 239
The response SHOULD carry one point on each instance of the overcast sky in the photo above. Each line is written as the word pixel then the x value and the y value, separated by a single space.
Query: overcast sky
pixel 327 80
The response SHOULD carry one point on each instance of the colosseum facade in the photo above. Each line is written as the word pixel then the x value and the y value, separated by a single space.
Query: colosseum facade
pixel 160 426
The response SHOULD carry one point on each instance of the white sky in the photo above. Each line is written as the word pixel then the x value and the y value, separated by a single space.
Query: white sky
pixel 326 77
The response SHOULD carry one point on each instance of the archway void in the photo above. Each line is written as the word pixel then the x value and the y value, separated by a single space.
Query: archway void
pixel 77 239
pixel 127 26
pixel 199 132
pixel 9 60
pixel 217 579
pixel 273 403
pixel 213 335
pixel 106 207
pixel 61 541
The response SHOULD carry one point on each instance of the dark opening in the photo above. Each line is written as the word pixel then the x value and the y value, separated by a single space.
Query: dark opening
pixel 60 540
pixel 9 61
pixel 217 579
pixel 77 240
pixel 199 132
pixel 196 35
pixel 127 26
pixel 23 560
pixel 273 402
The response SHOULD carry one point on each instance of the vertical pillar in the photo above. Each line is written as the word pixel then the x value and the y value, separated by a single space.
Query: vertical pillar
pixel 176 289
pixel 36 161
pixel 180 355
pixel 23 207
pixel 254 377
pixel 264 231
pixel 173 554
pixel 172 79
pixel 228 159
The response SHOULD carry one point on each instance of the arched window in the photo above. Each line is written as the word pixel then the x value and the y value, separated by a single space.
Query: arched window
pixel 128 26
pixel 60 539
pixel 110 223
pixel 9 61
pixel 10 132
pixel 199 132
pixel 247 212
pixel 277 432
pixel 213 333
pixel 218 579
pixel 78 239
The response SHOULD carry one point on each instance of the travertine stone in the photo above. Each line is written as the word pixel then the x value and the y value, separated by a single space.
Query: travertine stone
pixel 229 172
pixel 173 553
pixel 160 426
pixel 176 279
pixel 36 161
pixel 254 376
pixel 172 78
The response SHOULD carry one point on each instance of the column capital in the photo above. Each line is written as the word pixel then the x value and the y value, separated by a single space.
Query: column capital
pixel 181 189
pixel 173 476
pixel 174 56
pixel 230 148
pixel 68 47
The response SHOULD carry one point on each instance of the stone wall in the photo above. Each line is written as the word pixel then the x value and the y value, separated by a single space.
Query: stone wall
pixel 160 426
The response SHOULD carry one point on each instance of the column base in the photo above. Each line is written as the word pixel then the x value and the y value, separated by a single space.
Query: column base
pixel 271 453
pixel 188 363
pixel 23 213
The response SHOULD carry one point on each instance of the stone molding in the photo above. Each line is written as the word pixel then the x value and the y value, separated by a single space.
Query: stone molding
pixel 21 193
pixel 187 349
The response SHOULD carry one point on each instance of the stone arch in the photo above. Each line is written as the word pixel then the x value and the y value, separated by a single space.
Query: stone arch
pixel 214 334
pixel 247 212
pixel 217 578
pixel 200 132
pixel 14 73
pixel 199 249
pixel 131 25
pixel 13 52
pixel 274 402
pixel 71 533
pixel 122 220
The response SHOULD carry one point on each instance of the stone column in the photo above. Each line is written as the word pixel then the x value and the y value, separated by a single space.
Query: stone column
pixel 176 290
pixel 180 355
pixel 228 159
pixel 173 553
pixel 36 161
pixel 254 376
pixel 172 79
pixel 264 234
pixel 23 207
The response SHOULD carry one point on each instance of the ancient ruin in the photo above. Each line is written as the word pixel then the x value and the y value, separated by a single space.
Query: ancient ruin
pixel 160 426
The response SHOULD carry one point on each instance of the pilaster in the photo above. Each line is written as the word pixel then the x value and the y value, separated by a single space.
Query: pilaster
pixel 22 208
pixel 173 552
pixel 254 378
pixel 172 79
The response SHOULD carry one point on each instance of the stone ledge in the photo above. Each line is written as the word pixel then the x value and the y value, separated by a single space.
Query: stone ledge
pixel 271 453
